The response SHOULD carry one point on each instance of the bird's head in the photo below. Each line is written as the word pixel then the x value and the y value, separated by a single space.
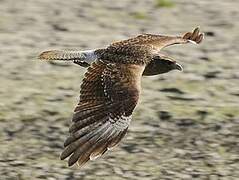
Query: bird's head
pixel 161 64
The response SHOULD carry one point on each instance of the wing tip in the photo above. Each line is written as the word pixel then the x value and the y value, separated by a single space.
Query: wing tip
pixel 194 37
pixel 94 157
pixel 71 162
pixel 63 156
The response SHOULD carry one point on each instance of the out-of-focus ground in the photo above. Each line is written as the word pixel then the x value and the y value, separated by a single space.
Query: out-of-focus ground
pixel 186 125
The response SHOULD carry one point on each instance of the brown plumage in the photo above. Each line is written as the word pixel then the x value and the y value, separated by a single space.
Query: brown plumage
pixel 110 90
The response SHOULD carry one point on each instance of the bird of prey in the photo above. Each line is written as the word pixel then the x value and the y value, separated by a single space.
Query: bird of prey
pixel 111 88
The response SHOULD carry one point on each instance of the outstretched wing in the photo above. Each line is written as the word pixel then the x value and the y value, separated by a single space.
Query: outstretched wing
pixel 160 41
pixel 109 94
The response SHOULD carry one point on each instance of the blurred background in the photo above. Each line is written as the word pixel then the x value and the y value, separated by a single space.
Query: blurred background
pixel 186 125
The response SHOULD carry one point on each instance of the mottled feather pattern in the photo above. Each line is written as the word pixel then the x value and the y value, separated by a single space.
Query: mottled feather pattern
pixel 152 41
pixel 157 42
pixel 101 119
pixel 129 54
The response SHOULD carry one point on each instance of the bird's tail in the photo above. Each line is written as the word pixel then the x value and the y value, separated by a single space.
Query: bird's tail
pixel 63 55
pixel 82 58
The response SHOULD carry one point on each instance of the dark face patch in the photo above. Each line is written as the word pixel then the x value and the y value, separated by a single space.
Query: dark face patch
pixel 159 66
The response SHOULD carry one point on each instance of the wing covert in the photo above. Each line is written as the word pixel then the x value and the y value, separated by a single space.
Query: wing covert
pixel 160 41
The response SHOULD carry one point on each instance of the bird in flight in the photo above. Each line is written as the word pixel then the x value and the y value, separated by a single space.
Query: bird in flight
pixel 111 88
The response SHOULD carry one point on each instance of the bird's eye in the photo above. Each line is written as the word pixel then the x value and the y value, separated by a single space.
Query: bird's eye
pixel 168 62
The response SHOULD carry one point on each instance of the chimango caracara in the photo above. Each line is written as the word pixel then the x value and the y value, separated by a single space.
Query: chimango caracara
pixel 111 88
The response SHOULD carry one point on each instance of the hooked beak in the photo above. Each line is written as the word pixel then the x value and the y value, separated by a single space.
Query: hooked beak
pixel 178 67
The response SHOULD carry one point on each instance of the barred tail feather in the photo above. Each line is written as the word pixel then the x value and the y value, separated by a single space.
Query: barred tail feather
pixel 61 55
pixel 83 58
